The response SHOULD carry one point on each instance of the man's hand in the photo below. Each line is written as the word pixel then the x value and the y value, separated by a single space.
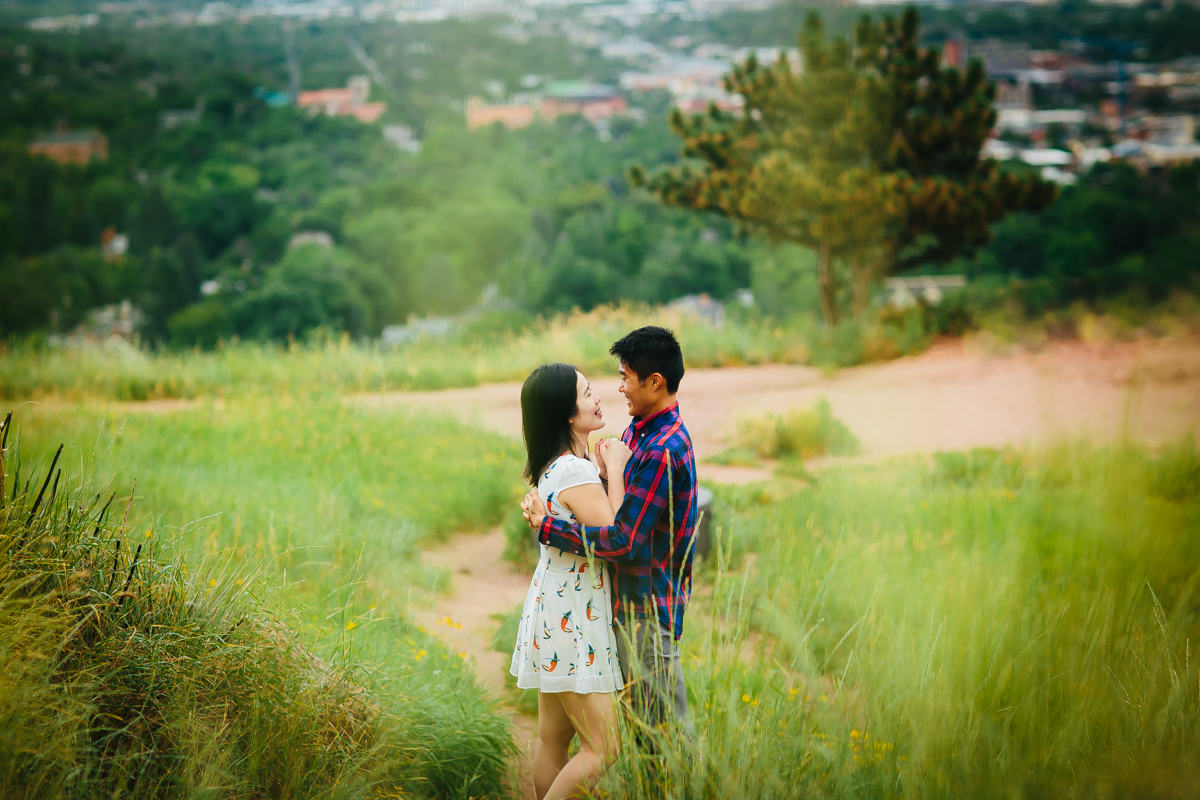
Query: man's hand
pixel 601 447
pixel 533 509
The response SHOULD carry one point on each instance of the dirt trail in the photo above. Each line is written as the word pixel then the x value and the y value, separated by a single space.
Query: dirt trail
pixel 948 398
pixel 482 583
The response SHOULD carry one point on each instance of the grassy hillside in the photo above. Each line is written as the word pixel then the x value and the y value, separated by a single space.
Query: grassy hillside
pixel 134 670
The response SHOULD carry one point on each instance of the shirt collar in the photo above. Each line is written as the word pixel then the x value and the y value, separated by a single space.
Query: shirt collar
pixel 643 425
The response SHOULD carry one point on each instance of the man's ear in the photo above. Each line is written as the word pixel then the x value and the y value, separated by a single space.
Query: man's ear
pixel 657 381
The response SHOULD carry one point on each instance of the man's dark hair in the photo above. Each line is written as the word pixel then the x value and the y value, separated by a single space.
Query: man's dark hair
pixel 649 350
pixel 549 398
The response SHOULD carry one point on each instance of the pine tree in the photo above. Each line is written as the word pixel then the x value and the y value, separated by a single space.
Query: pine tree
pixel 869 155
pixel 933 122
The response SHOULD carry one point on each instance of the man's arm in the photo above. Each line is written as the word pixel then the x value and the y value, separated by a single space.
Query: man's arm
pixel 646 500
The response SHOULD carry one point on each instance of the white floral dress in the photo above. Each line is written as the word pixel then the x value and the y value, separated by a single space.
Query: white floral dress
pixel 565 642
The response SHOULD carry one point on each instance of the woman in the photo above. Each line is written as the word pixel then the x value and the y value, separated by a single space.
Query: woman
pixel 566 648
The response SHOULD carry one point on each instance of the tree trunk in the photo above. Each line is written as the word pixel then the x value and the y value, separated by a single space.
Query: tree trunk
pixel 863 274
pixel 828 283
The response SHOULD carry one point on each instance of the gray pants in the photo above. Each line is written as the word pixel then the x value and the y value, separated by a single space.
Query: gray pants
pixel 653 672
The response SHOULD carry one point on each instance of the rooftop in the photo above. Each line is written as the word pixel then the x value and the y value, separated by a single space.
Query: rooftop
pixel 69 137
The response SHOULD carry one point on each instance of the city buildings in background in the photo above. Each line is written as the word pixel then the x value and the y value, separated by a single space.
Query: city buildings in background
pixel 1060 109
pixel 596 102
pixel 348 102
pixel 1040 121
pixel 71 147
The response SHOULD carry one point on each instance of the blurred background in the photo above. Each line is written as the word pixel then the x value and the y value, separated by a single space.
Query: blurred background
pixel 271 274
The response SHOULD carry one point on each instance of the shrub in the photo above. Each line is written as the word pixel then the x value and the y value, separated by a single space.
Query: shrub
pixel 803 434
pixel 978 465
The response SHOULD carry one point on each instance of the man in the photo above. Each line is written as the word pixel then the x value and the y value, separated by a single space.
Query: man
pixel 650 544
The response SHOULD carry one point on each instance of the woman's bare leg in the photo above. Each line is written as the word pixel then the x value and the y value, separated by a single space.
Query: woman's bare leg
pixel 554 734
pixel 594 716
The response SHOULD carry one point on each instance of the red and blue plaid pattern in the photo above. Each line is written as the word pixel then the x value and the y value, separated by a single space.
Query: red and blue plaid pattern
pixel 650 551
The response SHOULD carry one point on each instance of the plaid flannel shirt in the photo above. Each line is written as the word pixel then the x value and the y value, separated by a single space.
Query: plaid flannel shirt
pixel 650 553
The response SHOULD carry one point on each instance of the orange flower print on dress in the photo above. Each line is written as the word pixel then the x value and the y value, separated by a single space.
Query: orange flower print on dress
pixel 576 645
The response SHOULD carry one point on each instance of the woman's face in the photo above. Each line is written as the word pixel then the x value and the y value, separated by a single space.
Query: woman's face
pixel 588 416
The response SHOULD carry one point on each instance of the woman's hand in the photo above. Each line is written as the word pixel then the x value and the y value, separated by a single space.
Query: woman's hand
pixel 601 446
pixel 615 456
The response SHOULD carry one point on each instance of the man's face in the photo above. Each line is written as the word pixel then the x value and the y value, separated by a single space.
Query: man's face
pixel 639 395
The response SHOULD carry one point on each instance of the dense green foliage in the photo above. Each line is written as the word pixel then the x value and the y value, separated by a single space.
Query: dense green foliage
pixel 129 673
pixel 1115 233
pixel 545 215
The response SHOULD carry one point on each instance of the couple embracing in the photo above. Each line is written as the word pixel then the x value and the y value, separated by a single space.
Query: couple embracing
pixel 605 607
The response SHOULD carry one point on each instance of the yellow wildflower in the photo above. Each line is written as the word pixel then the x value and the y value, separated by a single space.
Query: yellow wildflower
pixel 351 625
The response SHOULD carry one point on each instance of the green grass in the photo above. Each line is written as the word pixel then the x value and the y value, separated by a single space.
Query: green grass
pixel 986 625
pixel 311 485
pixel 129 673
pixel 479 354
pixel 979 624
pixel 329 505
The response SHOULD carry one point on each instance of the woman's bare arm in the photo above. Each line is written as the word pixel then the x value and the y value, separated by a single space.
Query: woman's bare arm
pixel 595 503
pixel 590 505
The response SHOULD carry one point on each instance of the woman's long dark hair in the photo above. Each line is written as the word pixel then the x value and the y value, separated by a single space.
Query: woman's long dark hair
pixel 549 399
